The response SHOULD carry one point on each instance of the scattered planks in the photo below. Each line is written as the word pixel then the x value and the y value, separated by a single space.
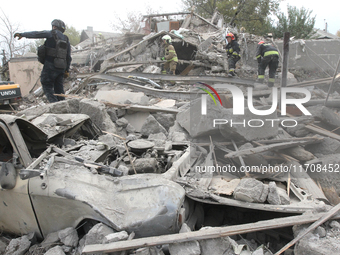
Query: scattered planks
pixel 321 131
pixel 317 82
pixel 321 220
pixel 277 146
pixel 210 233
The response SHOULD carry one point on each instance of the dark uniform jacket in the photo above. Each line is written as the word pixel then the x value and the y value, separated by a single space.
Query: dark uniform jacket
pixel 233 49
pixel 51 43
pixel 264 50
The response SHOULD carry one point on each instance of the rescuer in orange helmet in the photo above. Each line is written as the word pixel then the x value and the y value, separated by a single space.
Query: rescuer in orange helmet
pixel 233 52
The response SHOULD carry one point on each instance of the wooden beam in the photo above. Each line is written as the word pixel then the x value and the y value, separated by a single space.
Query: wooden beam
pixel 165 14
pixel 187 69
pixel 322 131
pixel 263 148
pixel 293 139
pixel 210 233
pixel 321 220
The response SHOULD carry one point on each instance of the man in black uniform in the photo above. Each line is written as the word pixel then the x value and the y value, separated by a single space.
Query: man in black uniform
pixel 56 60
pixel 233 52
pixel 267 55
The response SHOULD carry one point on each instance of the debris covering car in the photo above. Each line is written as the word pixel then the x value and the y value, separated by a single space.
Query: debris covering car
pixel 46 188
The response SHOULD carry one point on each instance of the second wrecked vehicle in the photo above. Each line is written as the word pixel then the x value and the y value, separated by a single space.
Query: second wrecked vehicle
pixel 45 188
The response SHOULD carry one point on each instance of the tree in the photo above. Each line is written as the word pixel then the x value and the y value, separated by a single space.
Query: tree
pixel 253 15
pixel 131 22
pixel 73 35
pixel 128 24
pixel 11 45
pixel 204 8
pixel 298 22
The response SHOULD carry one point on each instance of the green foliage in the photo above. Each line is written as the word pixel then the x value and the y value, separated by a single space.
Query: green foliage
pixel 204 8
pixel 73 35
pixel 253 15
pixel 298 22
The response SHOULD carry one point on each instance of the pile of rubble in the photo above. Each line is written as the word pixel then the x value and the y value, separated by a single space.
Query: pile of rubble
pixel 262 169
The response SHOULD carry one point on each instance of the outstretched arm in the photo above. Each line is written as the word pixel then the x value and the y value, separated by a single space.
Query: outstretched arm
pixel 34 34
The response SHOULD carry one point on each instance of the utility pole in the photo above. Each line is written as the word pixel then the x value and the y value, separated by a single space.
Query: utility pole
pixel 285 59
pixel 331 86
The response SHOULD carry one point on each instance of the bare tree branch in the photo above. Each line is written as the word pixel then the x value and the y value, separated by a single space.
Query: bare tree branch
pixel 7 41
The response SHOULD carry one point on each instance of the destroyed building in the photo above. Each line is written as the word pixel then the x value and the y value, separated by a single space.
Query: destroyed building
pixel 183 182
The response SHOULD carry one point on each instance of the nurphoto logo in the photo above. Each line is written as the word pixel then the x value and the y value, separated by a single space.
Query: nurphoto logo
pixel 238 100
pixel 239 105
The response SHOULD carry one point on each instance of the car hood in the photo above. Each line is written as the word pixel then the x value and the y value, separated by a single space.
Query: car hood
pixel 147 204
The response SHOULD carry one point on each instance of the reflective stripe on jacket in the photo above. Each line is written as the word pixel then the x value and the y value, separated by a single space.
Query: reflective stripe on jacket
pixel 233 49
pixel 265 49
pixel 170 54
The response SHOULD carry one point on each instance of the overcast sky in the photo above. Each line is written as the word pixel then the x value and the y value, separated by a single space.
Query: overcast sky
pixel 326 11
pixel 38 14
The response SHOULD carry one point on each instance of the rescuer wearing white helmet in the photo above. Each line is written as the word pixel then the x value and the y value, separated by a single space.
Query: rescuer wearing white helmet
pixel 170 56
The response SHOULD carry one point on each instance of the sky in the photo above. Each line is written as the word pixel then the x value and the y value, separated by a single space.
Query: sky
pixel 326 11
pixel 36 15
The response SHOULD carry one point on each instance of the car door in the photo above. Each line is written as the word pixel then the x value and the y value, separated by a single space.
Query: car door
pixel 16 213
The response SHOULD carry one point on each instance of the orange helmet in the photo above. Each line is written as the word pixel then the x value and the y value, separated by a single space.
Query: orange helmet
pixel 231 35
pixel 262 42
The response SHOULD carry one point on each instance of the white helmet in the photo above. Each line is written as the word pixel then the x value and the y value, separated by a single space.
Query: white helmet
pixel 167 38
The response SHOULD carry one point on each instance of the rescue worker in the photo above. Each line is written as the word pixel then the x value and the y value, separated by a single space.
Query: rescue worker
pixel 233 52
pixel 267 55
pixel 56 58
pixel 170 56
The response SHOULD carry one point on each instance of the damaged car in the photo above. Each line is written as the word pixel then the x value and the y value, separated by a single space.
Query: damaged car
pixel 56 177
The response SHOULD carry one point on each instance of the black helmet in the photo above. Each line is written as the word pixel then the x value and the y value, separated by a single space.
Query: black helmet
pixel 59 24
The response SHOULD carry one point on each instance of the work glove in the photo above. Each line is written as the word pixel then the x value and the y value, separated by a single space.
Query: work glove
pixel 18 35
pixel 66 74
pixel 163 58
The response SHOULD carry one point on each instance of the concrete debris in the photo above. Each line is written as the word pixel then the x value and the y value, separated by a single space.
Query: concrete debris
pixel 152 126
pixel 321 241
pixel 185 248
pixel 251 190
pixel 277 196
pixel 69 237
pixel 20 245
pixel 132 153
